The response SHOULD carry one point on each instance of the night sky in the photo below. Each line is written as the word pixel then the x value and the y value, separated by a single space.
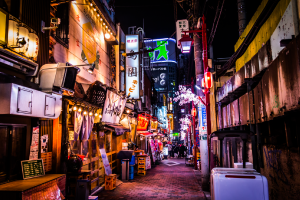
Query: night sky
pixel 159 20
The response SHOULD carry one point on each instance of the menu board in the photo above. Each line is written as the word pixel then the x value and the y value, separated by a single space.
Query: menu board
pixel 32 168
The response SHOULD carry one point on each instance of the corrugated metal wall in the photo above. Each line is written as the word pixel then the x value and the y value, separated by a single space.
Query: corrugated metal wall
pixel 33 12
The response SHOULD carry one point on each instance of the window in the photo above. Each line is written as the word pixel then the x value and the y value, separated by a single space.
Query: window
pixel 12 151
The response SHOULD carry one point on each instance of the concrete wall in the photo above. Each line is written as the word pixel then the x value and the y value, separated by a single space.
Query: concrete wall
pixel 282 169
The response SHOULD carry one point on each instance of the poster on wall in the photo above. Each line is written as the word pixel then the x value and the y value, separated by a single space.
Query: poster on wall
pixel 34 147
pixel 132 67
pixel 113 108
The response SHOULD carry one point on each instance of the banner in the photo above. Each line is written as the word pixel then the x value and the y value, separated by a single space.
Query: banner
pixel 113 108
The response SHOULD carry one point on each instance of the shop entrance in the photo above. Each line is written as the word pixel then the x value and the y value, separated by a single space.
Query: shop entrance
pixel 12 145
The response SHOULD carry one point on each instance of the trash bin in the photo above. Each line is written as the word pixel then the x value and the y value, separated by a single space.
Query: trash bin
pixel 125 170
pixel 82 190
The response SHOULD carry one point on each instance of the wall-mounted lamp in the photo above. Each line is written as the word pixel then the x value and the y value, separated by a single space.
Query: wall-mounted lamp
pixel 91 69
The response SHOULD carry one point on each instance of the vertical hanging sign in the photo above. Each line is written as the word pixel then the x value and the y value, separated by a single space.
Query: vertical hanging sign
pixel 203 124
pixel 132 67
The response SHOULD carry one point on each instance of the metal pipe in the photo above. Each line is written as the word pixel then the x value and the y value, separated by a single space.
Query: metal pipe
pixel 242 18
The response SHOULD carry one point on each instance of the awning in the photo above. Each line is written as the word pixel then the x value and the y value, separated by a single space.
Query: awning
pixel 145 133
pixel 118 128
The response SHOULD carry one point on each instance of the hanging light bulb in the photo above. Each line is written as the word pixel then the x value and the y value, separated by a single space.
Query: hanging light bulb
pixel 79 109
pixel 106 27
pixel 91 4
pixel 127 111
pixel 91 113
pixel 100 116
pixel 107 36
pixel 101 19
pixel 96 114
pixel 84 112
pixel 74 108
pixel 95 9
pixel 103 23
pixel 98 15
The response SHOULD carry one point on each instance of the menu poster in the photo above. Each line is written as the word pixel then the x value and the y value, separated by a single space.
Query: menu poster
pixel 32 168
pixel 34 148
pixel 105 162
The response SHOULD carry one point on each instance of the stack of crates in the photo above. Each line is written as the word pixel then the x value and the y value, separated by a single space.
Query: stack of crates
pixel 110 181
pixel 141 165
pixel 131 167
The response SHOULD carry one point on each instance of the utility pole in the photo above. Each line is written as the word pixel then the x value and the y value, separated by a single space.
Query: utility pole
pixel 201 66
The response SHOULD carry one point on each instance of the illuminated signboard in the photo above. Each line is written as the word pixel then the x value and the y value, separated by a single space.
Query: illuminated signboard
pixel 164 50
pixel 170 117
pixel 162 117
pixel 175 134
pixel 132 67
pixel 142 123
pixel 160 77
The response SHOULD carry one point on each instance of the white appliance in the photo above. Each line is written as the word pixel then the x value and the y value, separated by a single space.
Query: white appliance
pixel 238 183
pixel 240 165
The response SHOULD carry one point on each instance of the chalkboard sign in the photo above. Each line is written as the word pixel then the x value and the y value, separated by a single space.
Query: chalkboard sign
pixel 32 168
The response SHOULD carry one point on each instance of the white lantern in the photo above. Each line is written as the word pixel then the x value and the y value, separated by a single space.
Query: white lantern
pixel 33 47
pixel 12 33
pixel 23 33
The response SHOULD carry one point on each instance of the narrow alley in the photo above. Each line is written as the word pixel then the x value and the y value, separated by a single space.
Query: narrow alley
pixel 171 179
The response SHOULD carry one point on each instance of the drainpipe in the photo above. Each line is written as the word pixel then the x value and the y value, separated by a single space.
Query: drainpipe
pixel 242 18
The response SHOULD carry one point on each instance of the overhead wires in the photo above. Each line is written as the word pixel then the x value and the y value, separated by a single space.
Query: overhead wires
pixel 215 24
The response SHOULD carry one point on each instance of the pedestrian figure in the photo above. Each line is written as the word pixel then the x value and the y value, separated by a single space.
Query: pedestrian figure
pixel 176 150
pixel 181 150
pixel 170 150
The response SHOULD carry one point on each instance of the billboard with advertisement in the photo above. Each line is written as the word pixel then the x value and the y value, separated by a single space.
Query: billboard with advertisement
pixel 160 78
pixel 132 66
pixel 86 45
pixel 164 50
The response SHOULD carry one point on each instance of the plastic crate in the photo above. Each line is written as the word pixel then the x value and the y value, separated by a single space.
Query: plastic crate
pixel 141 173
pixel 141 168
pixel 141 163
pixel 142 158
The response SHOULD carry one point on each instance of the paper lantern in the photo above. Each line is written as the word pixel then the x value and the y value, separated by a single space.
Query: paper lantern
pixel 33 47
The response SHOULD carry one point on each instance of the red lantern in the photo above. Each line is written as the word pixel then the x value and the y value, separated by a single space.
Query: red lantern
pixel 194 111
pixel 203 85
pixel 208 79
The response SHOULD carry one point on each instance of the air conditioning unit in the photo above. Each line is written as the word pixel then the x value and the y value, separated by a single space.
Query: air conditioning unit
pixel 55 77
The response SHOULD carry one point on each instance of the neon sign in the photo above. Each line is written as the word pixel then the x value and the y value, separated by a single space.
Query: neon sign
pixel 164 50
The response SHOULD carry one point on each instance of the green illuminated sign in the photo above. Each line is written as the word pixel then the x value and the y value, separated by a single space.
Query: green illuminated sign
pixel 162 48
pixel 175 134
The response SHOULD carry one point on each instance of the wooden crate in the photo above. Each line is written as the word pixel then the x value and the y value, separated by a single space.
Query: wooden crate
pixel 110 182
pixel 47 161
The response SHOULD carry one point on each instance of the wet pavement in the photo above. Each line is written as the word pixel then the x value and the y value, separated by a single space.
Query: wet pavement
pixel 171 179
